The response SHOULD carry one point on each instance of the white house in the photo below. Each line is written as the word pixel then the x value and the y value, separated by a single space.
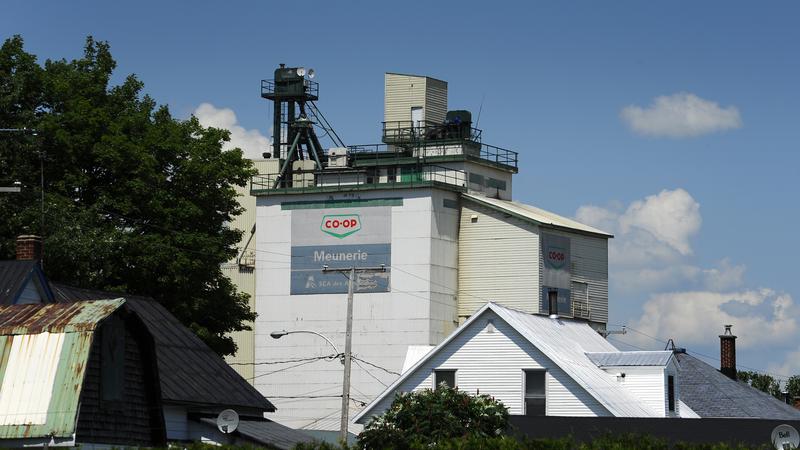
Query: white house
pixel 537 365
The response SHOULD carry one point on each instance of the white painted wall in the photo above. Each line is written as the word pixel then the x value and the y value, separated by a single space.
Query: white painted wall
pixel 647 383
pixel 419 310
pixel 493 363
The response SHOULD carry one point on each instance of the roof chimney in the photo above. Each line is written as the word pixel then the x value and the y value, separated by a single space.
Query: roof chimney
pixel 727 353
pixel 29 247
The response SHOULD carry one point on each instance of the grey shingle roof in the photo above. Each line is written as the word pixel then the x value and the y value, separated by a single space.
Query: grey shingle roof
pixel 13 277
pixel 267 432
pixel 641 358
pixel 190 372
pixel 711 394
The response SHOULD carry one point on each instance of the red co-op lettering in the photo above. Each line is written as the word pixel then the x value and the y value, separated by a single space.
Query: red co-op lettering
pixel 345 223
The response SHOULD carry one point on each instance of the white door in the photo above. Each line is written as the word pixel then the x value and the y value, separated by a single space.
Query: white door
pixel 417 116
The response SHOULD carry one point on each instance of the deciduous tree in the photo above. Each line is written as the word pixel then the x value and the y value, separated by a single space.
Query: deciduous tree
pixel 135 200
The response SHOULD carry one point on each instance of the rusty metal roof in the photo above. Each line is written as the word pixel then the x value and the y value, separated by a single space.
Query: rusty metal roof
pixel 44 351
pixel 55 317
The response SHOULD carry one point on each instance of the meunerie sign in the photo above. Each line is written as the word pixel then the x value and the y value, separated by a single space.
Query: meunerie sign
pixel 339 238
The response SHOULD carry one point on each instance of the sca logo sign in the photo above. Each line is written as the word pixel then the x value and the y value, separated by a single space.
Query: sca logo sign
pixel 340 225
pixel 556 257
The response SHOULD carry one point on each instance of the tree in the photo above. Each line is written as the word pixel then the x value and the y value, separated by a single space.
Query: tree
pixel 430 416
pixel 793 388
pixel 761 381
pixel 135 200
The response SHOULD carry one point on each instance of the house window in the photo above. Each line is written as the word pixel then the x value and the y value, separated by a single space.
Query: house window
pixel 497 184
pixel 476 178
pixel 444 376
pixel 391 175
pixel 671 392
pixel 535 393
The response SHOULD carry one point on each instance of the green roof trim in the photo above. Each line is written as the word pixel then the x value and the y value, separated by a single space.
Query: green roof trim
pixel 345 203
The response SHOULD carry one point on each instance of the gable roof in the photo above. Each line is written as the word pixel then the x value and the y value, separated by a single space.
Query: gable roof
pixel 538 216
pixel 620 359
pixel 711 394
pixel 15 274
pixel 45 352
pixel 190 372
pixel 563 341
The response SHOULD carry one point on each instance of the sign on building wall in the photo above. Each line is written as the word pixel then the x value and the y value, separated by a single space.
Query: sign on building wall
pixel 557 274
pixel 340 238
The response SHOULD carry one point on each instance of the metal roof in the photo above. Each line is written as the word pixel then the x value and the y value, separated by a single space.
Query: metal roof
pixel 641 358
pixel 565 342
pixel 190 372
pixel 267 432
pixel 55 317
pixel 537 215
pixel 45 351
pixel 709 393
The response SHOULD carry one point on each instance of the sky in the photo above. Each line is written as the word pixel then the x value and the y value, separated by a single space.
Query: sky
pixel 673 125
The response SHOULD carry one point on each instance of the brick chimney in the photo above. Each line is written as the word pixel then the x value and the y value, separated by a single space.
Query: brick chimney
pixel 29 247
pixel 727 353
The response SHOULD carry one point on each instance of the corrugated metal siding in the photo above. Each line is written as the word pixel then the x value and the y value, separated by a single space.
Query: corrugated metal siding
pixel 244 278
pixel 493 363
pixel 63 404
pixel 402 92
pixel 435 100
pixel 589 266
pixel 497 261
pixel 28 379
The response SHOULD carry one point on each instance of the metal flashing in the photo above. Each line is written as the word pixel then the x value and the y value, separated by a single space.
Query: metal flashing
pixel 344 203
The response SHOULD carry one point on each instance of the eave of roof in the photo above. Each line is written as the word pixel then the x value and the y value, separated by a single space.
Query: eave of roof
pixel 633 358
pixel 592 379
pixel 55 317
pixel 536 215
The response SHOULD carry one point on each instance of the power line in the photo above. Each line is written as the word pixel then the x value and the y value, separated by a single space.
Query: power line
pixel 285 361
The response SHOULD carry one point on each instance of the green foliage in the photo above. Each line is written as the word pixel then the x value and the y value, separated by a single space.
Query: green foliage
pixel 793 387
pixel 135 200
pixel 606 442
pixel 761 381
pixel 426 417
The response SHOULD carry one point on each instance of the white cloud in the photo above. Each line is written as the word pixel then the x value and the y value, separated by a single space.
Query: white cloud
pixel 653 243
pixel 696 318
pixel 252 142
pixel 658 228
pixel 789 367
pixel 680 115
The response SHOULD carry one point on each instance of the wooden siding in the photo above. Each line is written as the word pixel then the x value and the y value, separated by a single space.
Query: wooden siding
pixel 646 383
pixel 497 261
pixel 493 363
pixel 134 419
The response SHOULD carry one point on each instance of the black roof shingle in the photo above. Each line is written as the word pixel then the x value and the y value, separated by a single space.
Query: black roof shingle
pixel 711 394
pixel 189 370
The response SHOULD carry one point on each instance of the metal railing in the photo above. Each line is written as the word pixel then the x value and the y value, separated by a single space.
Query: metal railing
pixel 386 153
pixel 335 180
pixel 406 131
pixel 311 88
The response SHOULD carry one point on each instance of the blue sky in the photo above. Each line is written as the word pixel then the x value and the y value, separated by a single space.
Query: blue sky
pixel 700 187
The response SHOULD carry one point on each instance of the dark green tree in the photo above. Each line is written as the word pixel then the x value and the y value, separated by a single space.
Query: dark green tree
pixel 135 200
pixel 425 418
pixel 793 388
pixel 761 381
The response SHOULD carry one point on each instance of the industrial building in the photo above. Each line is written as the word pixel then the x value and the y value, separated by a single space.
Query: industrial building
pixel 432 204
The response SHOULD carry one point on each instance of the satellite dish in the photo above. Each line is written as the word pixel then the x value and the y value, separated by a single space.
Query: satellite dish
pixel 311 73
pixel 785 437
pixel 227 421
pixel 301 71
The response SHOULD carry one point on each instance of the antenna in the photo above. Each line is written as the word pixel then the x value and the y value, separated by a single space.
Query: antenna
pixel 478 119
pixel 311 74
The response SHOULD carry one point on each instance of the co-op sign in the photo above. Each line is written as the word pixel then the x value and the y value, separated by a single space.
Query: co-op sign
pixel 340 225
pixel 340 238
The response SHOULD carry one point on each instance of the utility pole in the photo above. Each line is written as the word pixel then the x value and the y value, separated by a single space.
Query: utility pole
pixel 350 273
